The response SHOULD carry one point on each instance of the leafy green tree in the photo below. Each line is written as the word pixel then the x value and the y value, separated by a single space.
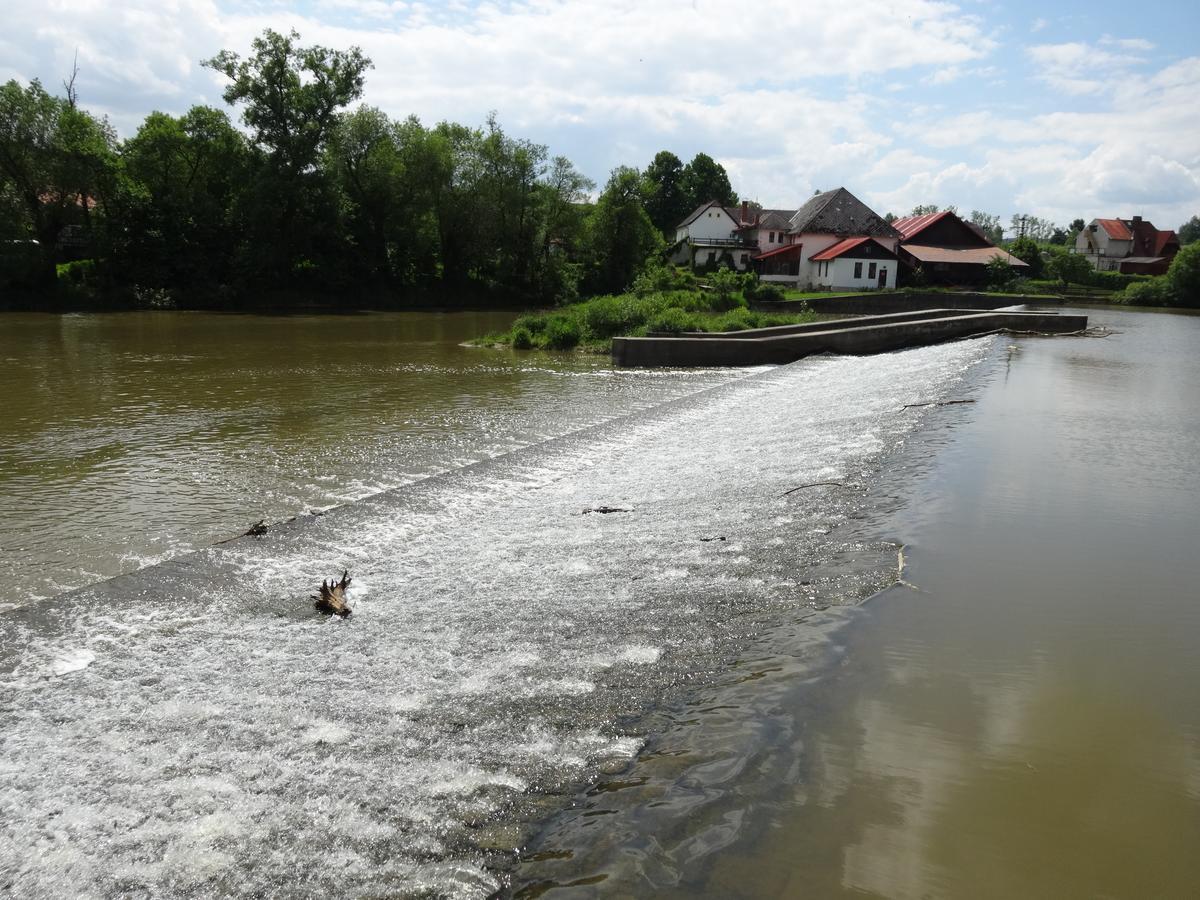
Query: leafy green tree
pixel 1189 231
pixel 1183 277
pixel 667 197
pixel 705 179
pixel 183 178
pixel 290 98
pixel 58 162
pixel 1077 225
pixel 925 209
pixel 1069 268
pixel 619 233
pixel 1027 250
pixel 999 274
pixel 1032 227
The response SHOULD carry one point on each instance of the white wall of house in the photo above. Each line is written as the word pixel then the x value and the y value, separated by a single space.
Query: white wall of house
pixel 1102 251
pixel 839 274
pixel 714 222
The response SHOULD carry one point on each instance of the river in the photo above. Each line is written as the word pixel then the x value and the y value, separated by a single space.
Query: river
pixel 685 696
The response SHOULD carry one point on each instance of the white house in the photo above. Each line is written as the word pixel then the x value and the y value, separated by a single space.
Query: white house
pixel 1133 246
pixel 786 246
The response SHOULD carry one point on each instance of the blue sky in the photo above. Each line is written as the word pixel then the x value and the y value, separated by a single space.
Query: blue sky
pixel 1059 110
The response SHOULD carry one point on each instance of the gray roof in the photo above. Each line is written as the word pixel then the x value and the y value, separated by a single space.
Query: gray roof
pixel 840 212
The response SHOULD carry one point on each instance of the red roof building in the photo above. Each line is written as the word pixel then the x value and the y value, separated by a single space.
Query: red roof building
pixel 947 250
pixel 1132 246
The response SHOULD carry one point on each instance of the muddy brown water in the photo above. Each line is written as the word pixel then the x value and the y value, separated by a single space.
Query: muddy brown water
pixel 1022 718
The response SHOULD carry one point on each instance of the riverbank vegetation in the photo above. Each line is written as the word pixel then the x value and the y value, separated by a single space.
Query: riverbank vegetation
pixel 1179 287
pixel 664 299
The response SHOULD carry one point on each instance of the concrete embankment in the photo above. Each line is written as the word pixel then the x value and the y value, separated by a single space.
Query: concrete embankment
pixel 875 303
pixel 874 334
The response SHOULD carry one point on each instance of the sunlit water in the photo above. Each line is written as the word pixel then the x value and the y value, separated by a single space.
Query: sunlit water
pixel 1021 720
pixel 196 728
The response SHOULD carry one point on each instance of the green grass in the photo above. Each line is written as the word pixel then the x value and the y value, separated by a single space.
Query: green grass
pixel 592 324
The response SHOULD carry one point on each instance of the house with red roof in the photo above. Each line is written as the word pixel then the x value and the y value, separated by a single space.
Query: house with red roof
pixel 1133 246
pixel 947 250
pixel 834 241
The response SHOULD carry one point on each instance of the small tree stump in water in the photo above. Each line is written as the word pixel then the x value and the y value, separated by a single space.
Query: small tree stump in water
pixel 331 600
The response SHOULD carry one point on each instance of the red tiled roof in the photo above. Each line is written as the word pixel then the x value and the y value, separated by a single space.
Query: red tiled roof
pixel 838 249
pixel 1162 239
pixel 913 225
pixel 1117 230
pixel 778 250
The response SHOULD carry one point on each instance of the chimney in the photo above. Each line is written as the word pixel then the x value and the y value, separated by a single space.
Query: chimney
pixel 1137 220
pixel 745 213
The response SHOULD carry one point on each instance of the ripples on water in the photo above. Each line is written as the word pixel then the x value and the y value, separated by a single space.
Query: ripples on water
pixel 198 728
pixel 133 437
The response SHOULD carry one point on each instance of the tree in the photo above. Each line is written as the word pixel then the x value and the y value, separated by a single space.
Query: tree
pixel 619 233
pixel 59 163
pixel 1189 231
pixel 184 176
pixel 1183 277
pixel 1060 236
pixel 1026 249
pixel 667 198
pixel 705 179
pixel 1032 227
pixel 924 209
pixel 989 224
pixel 1077 225
pixel 1069 268
pixel 999 273
pixel 291 96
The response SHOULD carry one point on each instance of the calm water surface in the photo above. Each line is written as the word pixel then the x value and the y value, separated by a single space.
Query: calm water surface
pixel 132 437
pixel 1024 721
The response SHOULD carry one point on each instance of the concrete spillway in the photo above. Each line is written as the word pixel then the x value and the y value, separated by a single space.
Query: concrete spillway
pixel 870 334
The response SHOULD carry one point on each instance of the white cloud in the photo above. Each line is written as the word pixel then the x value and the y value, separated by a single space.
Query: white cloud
pixel 1079 68
pixel 1038 25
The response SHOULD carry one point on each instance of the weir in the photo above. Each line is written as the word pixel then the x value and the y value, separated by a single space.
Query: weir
pixel 195 726
pixel 869 334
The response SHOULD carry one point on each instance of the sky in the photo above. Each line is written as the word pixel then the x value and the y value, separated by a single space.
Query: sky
pixel 1061 110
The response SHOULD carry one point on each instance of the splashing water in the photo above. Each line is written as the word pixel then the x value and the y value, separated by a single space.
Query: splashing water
pixel 224 739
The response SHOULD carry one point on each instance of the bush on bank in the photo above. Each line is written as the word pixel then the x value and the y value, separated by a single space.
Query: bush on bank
pixel 1179 287
pixel 664 299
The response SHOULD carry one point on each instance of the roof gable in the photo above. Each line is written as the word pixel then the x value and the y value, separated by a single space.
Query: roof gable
pixel 703 208
pixel 855 246
pixel 944 228
pixel 840 212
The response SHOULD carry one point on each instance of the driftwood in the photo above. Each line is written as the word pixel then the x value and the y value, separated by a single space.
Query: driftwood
pixel 331 600
pixel 258 529
pixel 812 484
pixel 935 403
pixel 605 509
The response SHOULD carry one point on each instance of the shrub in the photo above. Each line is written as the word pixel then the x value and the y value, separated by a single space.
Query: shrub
pixel 1184 276
pixel 736 320
pixel 673 321
pixel 521 338
pixel 725 285
pixel 999 273
pixel 532 323
pixel 1153 292
pixel 562 333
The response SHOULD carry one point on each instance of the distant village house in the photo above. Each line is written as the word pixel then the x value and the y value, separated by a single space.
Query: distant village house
pixel 833 241
pixel 1132 246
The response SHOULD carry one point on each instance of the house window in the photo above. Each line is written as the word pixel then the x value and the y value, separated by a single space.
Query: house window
pixel 745 259
pixel 883 276
pixel 858 270
pixel 771 237
pixel 871 270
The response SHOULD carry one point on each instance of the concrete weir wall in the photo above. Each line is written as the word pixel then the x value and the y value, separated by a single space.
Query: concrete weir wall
pixel 873 334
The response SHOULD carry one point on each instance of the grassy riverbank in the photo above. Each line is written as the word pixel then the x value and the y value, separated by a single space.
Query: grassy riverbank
pixel 663 301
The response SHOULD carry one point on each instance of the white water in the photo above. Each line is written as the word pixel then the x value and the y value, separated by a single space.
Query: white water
pixel 226 740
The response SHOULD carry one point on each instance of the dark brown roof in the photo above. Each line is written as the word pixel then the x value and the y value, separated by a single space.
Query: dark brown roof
pixel 840 212
pixel 978 256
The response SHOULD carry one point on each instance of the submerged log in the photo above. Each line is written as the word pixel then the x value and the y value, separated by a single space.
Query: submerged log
pixel 331 600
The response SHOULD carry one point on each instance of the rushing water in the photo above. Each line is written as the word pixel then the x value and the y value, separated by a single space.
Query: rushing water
pixel 131 437
pixel 195 728
pixel 1021 720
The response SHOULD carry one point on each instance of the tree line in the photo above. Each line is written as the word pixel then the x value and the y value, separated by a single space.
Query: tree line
pixel 314 196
